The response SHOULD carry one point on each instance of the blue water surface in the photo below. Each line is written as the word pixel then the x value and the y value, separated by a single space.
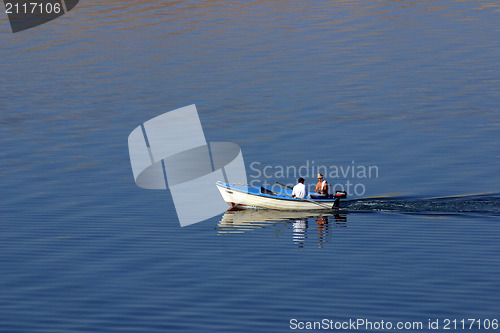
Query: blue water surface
pixel 411 88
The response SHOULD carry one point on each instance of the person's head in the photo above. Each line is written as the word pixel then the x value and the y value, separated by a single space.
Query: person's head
pixel 301 180
pixel 320 176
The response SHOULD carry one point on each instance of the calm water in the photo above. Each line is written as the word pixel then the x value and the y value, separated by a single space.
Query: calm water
pixel 411 88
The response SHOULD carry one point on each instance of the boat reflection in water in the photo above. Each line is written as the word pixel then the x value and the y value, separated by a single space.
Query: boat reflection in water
pixel 303 225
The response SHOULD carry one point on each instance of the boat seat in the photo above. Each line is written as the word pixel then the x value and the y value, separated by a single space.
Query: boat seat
pixel 266 191
pixel 320 196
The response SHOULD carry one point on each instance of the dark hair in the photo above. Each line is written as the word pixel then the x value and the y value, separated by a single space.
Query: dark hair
pixel 301 180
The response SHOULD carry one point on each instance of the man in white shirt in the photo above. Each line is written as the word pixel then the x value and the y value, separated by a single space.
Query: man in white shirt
pixel 299 190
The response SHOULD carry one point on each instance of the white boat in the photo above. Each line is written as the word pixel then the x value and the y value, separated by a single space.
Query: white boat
pixel 245 196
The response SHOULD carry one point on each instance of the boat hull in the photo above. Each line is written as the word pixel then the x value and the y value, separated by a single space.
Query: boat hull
pixel 248 197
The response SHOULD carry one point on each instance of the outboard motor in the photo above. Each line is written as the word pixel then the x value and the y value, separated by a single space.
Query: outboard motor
pixel 338 195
